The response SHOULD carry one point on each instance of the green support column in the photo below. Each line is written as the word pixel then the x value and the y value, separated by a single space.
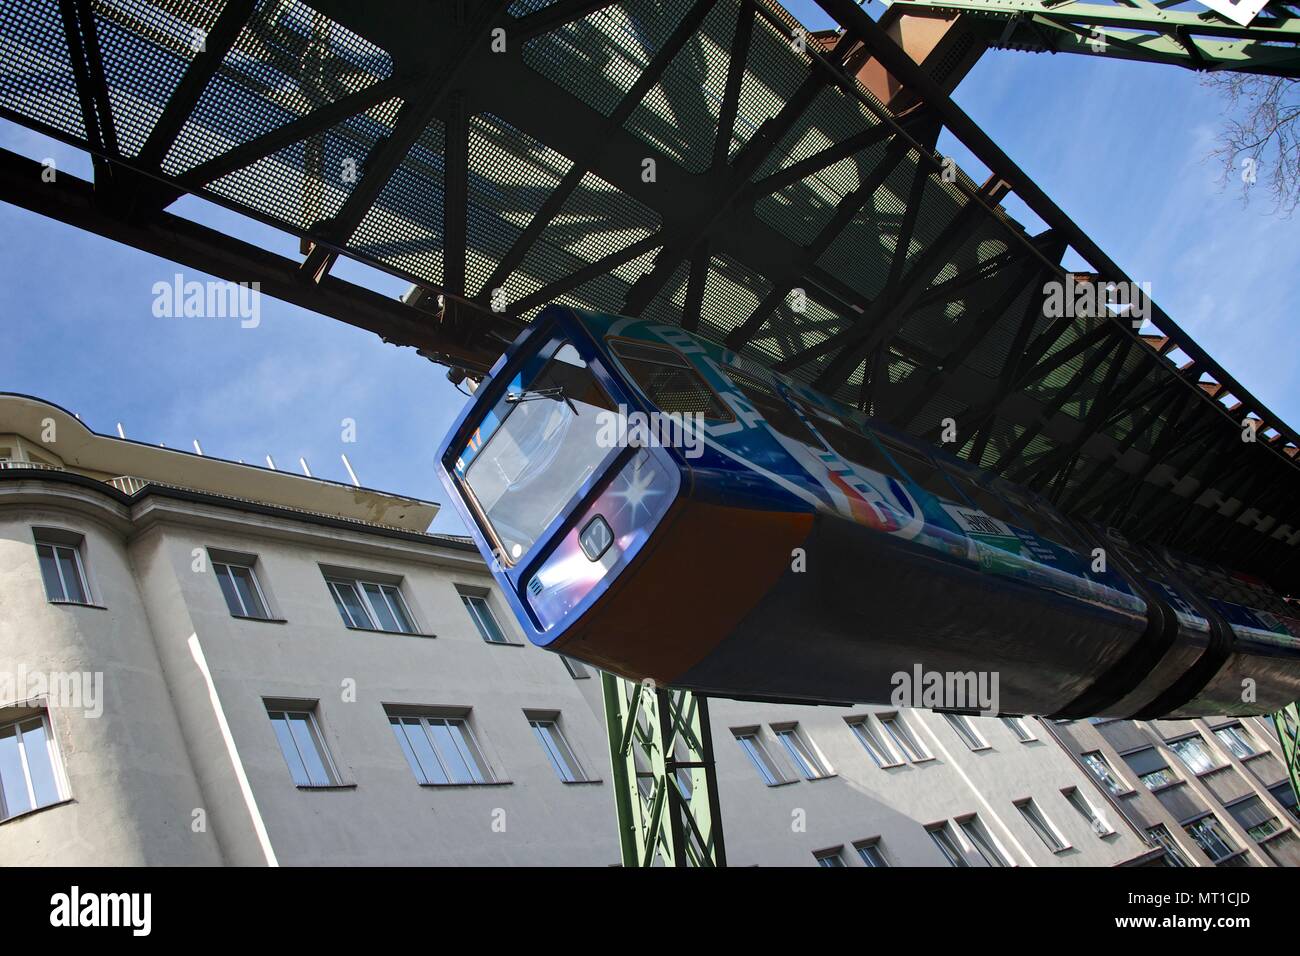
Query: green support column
pixel 1179 32
pixel 665 785
pixel 1287 723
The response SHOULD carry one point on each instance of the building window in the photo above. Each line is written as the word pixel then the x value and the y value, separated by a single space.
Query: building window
pixel 59 555
pixel 241 589
pixel 577 670
pixel 1158 778
pixel 966 731
pixel 869 739
pixel 1095 762
pixel 767 769
pixel 983 841
pixel 1090 813
pixel 1020 729
pixel 1255 817
pixel 947 844
pixel 370 605
pixel 303 745
pixel 547 731
pixel 1194 753
pixel 1209 836
pixel 1284 794
pixel 902 737
pixel 441 750
pixel 1039 823
pixel 1238 739
pixel 832 858
pixel 871 854
pixel 484 619
pixel 1173 853
pixel 30 774
pixel 802 752
pixel 1150 768
pixel 1284 849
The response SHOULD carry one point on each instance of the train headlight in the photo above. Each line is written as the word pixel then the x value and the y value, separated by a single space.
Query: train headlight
pixel 609 532
pixel 596 538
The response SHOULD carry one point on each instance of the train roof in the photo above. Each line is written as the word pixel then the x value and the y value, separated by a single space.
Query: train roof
pixel 702 162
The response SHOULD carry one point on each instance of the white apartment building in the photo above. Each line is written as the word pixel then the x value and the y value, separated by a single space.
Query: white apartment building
pixel 209 663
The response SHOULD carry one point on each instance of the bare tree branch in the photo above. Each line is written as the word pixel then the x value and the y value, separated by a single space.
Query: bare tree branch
pixel 1260 141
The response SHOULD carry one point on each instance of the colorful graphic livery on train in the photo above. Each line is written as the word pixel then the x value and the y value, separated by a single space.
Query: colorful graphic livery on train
pixel 788 547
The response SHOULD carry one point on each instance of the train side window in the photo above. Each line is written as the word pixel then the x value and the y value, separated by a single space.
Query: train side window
pixel 921 470
pixel 850 443
pixel 669 380
pixel 775 409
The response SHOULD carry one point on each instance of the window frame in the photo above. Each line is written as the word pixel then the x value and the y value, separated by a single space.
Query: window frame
pixel 57 771
pixel 872 853
pixel 576 668
pixel 1079 800
pixel 1173 850
pixel 942 836
pixel 618 346
pixel 359 587
pixel 548 732
pixel 477 763
pixel 803 753
pixel 909 742
pixel 873 743
pixel 979 836
pixel 73 542
pixel 285 709
pixel 1219 832
pixel 251 568
pixel 1013 722
pixel 1232 735
pixel 751 742
pixel 835 853
pixel 966 731
pixel 466 599
pixel 1119 782
pixel 1212 763
pixel 1042 825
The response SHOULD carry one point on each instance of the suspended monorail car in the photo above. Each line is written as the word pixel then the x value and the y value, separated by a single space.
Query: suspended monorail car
pixel 789 548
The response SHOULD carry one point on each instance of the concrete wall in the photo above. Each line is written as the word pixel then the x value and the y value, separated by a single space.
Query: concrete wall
pixel 132 786
pixel 175 739
pixel 863 801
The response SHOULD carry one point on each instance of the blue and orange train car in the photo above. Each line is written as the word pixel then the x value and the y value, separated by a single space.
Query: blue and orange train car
pixel 789 548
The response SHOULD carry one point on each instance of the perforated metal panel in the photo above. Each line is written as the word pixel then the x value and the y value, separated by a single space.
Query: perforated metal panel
pixel 701 162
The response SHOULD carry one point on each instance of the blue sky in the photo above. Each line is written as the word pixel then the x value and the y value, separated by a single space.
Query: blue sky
pixel 1121 147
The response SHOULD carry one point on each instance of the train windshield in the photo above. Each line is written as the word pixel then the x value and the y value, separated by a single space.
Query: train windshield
pixel 540 454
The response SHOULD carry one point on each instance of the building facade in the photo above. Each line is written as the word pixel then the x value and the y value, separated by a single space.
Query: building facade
pixel 207 663
pixel 1213 791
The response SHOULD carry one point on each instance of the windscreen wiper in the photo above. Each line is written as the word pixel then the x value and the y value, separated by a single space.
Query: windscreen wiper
pixel 532 394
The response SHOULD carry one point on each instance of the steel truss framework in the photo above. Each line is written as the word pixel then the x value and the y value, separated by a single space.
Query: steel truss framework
pixel 1287 724
pixel 695 161
pixel 665 784
pixel 1177 32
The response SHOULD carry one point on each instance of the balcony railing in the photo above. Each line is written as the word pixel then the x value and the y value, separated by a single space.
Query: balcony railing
pixel 14 463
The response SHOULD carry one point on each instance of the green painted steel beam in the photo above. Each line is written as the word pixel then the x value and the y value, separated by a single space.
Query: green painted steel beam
pixel 1287 723
pixel 665 784
pixel 1180 33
